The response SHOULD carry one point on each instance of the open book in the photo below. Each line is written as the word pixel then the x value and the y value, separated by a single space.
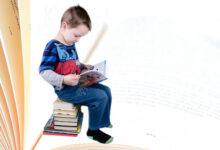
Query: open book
pixel 166 105
pixel 94 75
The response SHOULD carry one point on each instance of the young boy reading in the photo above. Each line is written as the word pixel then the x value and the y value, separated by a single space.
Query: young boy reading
pixel 61 68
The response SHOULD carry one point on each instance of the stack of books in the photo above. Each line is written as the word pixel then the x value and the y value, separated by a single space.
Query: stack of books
pixel 66 119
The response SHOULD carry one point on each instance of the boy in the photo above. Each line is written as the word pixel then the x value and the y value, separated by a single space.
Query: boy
pixel 60 67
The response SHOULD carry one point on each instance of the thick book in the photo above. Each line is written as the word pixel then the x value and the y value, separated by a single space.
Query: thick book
pixel 59 134
pixel 67 119
pixel 65 123
pixel 66 112
pixel 68 128
pixel 70 116
pixel 94 75
pixel 59 104
pixel 63 131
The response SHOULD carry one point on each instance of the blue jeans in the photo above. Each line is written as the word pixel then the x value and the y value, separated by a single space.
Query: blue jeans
pixel 98 99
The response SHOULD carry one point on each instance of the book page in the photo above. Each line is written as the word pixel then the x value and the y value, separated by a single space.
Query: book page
pixel 167 82
pixel 4 136
pixel 94 75
pixel 91 146
pixel 99 67
pixel 24 19
pixel 163 71
pixel 7 121
pixel 11 42
pixel 9 106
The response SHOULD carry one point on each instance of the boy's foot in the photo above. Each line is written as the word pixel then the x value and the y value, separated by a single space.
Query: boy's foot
pixel 99 136
pixel 110 126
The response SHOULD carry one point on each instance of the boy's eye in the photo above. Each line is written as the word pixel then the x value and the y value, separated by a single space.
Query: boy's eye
pixel 77 36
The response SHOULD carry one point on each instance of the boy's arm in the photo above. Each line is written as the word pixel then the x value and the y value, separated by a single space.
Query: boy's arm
pixel 53 78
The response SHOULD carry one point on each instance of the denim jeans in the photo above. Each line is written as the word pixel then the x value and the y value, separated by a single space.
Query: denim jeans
pixel 98 99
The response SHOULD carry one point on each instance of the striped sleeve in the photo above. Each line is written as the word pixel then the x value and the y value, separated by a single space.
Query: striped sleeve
pixel 50 57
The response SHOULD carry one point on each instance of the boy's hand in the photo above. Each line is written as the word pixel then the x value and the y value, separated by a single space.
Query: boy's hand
pixel 88 67
pixel 71 79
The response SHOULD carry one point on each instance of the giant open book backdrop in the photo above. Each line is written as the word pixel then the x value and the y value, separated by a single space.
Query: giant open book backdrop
pixel 163 71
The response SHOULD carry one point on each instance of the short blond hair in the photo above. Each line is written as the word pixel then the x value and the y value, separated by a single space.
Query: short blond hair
pixel 75 16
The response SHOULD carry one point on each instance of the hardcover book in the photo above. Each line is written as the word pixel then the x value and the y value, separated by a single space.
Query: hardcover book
pixel 59 104
pixel 59 115
pixel 66 112
pixel 64 123
pixel 67 128
pixel 68 119
pixel 59 134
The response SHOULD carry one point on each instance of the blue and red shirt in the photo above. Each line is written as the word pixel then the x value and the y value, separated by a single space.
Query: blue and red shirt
pixel 60 58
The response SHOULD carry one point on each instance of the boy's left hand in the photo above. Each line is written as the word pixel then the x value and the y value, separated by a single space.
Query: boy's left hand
pixel 89 67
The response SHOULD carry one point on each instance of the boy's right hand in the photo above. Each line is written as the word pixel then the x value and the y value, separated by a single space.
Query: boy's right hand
pixel 71 79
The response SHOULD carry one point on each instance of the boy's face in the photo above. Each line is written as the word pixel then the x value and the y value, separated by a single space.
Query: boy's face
pixel 73 35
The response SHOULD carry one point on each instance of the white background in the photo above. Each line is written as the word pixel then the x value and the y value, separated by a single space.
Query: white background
pixel 163 69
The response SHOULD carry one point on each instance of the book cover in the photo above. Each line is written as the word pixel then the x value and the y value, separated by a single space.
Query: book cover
pixel 59 134
pixel 94 75
pixel 64 131
pixel 49 124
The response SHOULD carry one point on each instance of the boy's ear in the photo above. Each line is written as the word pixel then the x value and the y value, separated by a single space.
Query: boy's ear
pixel 63 25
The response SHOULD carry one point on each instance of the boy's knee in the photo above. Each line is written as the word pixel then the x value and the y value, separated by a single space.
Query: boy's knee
pixel 99 103
pixel 100 100
pixel 101 94
pixel 103 97
pixel 108 89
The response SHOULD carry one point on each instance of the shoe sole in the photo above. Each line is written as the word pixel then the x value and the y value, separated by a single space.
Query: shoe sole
pixel 107 142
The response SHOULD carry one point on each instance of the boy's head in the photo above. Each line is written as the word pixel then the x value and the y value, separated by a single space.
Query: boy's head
pixel 75 23
pixel 75 16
